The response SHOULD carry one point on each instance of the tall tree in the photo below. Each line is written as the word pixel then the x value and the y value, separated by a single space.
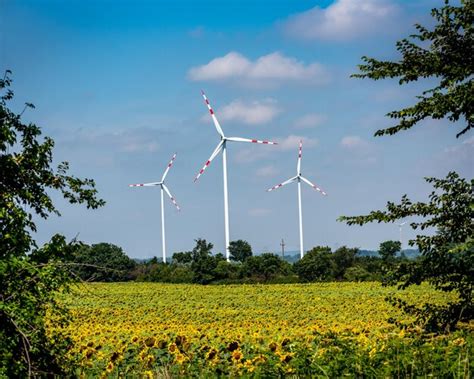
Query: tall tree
pixel 444 53
pixel 182 258
pixel 447 257
pixel 30 277
pixel 265 267
pixel 389 249
pixel 316 265
pixel 203 262
pixel 343 258
pixel 240 250
pixel 103 262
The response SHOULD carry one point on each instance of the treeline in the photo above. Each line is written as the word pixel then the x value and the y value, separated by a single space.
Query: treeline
pixel 108 263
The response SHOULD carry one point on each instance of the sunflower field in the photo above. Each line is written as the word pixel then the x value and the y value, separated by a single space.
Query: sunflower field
pixel 321 330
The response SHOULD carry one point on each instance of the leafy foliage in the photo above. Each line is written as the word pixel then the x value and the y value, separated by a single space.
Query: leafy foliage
pixel 343 259
pixel 103 262
pixel 445 53
pixel 201 266
pixel 356 274
pixel 447 257
pixel 203 262
pixel 389 249
pixel 240 250
pixel 316 265
pixel 265 267
pixel 31 277
pixel 182 257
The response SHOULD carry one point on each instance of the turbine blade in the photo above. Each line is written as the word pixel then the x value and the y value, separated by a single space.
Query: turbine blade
pixel 145 184
pixel 300 151
pixel 211 111
pixel 171 197
pixel 291 180
pixel 239 139
pixel 213 155
pixel 168 167
pixel 317 188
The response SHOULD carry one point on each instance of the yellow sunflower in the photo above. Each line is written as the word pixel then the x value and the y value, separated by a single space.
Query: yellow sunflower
pixel 172 348
pixel 237 355
pixel 110 367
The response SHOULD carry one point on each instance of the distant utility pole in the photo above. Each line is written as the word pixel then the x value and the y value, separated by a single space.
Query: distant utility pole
pixel 282 244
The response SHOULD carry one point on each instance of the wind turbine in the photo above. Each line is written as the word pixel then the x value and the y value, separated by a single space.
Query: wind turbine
pixel 400 229
pixel 222 146
pixel 161 183
pixel 298 178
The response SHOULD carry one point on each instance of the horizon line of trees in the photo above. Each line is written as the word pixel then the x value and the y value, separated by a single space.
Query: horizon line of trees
pixel 105 262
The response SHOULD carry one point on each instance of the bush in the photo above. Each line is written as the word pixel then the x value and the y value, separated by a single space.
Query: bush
pixel 103 262
pixel 265 267
pixel 357 274
pixel 316 265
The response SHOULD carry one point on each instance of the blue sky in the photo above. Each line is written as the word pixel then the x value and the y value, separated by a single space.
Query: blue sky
pixel 117 85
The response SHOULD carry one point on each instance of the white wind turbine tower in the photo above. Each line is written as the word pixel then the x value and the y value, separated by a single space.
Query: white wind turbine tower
pixel 298 178
pixel 161 183
pixel 400 229
pixel 222 146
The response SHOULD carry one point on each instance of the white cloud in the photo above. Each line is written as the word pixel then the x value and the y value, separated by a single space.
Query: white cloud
pixel 105 148
pixel 132 142
pixel 277 66
pixel 310 120
pixel 144 140
pixel 267 70
pixel 267 171
pixel 457 157
pixel 465 146
pixel 253 113
pixel 358 151
pixel 134 145
pixel 292 142
pixel 228 66
pixel 258 212
pixel 344 20
pixel 354 142
pixel 469 142
pixel 247 155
